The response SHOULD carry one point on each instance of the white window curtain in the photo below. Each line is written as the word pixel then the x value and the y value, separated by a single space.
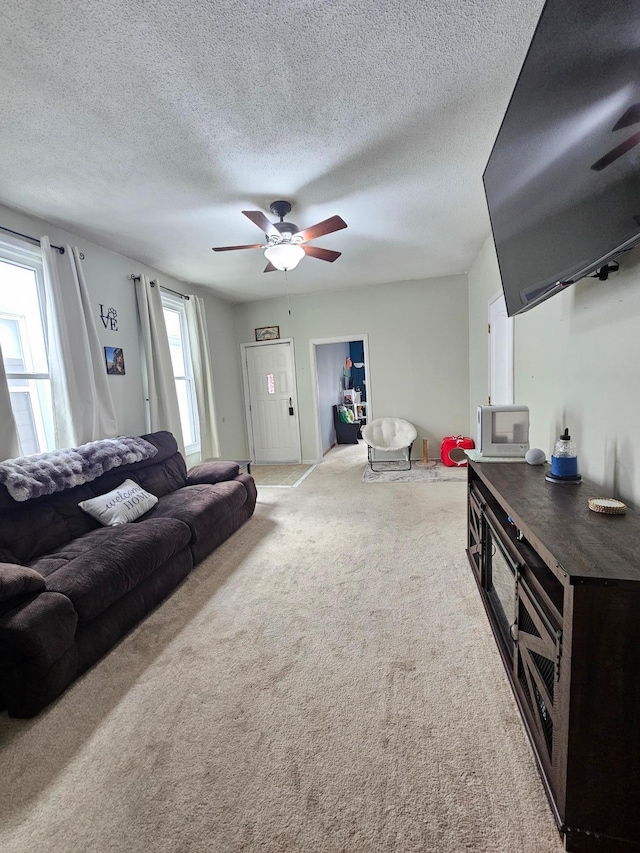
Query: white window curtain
pixel 203 377
pixel 163 411
pixel 9 441
pixel 83 408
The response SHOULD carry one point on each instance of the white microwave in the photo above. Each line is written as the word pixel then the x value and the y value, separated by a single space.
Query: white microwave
pixel 503 430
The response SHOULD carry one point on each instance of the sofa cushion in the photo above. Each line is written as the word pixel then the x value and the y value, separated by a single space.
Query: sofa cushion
pixel 30 532
pixel 18 580
pixel 103 565
pixel 202 508
pixel 36 527
pixel 212 472
pixel 126 503
pixel 159 479
pixel 51 471
pixel 165 473
pixel 41 629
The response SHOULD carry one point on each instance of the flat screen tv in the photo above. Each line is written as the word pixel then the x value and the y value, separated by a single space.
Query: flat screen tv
pixel 563 178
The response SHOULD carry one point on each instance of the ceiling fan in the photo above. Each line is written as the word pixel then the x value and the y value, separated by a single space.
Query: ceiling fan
pixel 286 244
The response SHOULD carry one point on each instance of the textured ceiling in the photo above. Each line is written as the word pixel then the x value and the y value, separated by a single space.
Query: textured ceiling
pixel 147 126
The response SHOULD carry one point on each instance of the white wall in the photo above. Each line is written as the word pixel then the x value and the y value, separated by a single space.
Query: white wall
pixel 330 361
pixel 417 331
pixel 484 281
pixel 576 364
pixel 418 349
pixel 106 274
pixel 576 354
pixel 227 376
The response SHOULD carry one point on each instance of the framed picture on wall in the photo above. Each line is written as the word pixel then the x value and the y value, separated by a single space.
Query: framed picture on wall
pixel 268 333
pixel 114 358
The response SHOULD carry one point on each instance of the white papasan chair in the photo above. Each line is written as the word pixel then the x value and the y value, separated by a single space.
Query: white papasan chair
pixel 389 435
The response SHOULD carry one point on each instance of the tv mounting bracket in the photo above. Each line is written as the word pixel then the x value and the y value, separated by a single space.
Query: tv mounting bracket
pixel 604 272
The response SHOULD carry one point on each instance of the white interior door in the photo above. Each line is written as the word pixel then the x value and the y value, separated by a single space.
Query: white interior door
pixel 500 331
pixel 274 431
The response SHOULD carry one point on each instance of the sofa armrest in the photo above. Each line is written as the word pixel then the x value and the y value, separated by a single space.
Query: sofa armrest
pixel 16 580
pixel 212 473
pixel 40 629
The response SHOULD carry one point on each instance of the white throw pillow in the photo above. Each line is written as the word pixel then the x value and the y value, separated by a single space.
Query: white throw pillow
pixel 126 503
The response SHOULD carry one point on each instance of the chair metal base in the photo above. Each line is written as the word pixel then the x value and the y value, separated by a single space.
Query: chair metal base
pixel 387 465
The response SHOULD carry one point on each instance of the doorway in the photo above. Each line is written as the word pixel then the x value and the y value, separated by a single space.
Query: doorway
pixel 271 402
pixel 330 379
pixel 500 331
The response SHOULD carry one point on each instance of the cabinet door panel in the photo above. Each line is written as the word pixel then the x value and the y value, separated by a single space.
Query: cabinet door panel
pixel 537 663
pixel 474 539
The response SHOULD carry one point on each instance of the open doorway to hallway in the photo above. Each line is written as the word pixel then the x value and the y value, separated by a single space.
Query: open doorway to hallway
pixel 342 384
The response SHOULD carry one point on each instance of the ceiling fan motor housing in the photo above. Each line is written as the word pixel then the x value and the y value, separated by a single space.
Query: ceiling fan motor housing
pixel 280 208
pixel 286 229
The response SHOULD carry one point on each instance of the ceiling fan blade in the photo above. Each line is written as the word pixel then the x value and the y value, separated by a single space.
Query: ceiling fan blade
pixel 258 218
pixel 270 268
pixel 327 226
pixel 233 248
pixel 321 254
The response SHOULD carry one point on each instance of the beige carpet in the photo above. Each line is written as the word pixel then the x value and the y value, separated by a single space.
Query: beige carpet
pixel 285 476
pixel 326 682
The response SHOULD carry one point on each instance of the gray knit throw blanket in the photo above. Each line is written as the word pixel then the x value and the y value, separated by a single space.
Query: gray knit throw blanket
pixel 45 473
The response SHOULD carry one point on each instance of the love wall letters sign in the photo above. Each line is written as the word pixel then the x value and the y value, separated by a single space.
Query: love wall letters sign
pixel 110 319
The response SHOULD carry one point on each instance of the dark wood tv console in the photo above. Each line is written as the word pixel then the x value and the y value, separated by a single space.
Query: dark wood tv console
pixel 561 587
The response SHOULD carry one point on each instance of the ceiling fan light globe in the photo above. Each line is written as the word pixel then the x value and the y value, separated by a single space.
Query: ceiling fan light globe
pixel 284 256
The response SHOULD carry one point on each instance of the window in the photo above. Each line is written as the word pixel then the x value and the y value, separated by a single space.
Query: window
pixel 24 350
pixel 175 318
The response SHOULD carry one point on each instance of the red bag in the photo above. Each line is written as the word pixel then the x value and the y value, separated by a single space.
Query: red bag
pixel 452 450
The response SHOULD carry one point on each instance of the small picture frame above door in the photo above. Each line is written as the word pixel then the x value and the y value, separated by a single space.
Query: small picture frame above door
pixel 268 333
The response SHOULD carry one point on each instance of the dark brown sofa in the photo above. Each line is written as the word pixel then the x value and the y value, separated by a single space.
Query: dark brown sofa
pixel 70 588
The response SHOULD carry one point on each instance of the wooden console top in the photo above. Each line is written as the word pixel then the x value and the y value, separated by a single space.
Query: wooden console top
pixel 556 519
